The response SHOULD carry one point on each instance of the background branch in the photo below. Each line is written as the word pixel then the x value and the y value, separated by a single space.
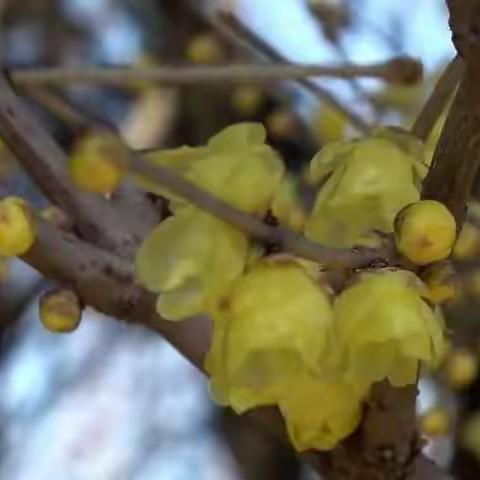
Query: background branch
pixel 401 70
pixel 233 29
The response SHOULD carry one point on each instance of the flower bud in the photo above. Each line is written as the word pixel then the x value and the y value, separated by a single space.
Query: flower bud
pixel 60 311
pixel 99 162
pixel 425 232
pixel 17 227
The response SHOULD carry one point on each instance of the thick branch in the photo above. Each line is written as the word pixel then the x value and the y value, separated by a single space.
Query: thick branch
pixel 98 220
pixel 402 70
pixel 457 156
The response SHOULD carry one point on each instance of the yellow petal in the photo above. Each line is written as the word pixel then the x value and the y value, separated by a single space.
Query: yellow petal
pixel 371 181
pixel 320 414
pixel 273 322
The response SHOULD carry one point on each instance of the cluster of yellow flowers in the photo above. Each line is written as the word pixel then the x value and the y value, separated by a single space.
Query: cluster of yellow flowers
pixel 280 337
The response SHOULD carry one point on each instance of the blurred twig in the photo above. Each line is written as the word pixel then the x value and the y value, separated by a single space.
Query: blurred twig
pixel 227 24
pixel 401 70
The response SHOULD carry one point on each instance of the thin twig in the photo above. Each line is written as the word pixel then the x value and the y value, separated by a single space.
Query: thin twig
pixel 397 70
pixel 286 239
pixel 439 98
pixel 58 106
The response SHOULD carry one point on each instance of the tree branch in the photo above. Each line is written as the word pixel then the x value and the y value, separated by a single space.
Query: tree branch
pixel 438 100
pixel 457 155
pixel 286 239
pixel 98 220
pixel 401 70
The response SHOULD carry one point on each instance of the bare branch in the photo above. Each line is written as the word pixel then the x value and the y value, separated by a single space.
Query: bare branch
pixel 438 100
pixel 402 70
pixel 286 239
pixel 98 220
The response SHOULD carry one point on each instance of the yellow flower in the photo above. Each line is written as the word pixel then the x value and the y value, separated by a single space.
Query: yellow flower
pixel 205 49
pixel 287 205
pixel 320 414
pixel 437 422
pixel 425 232
pixel 247 99
pixel 441 283
pixel 241 169
pixel 187 258
pixel 272 324
pixel 236 166
pixel 385 328
pixel 17 227
pixel 371 180
pixel 329 125
pixel 468 243
pixel 460 368
pixel 98 162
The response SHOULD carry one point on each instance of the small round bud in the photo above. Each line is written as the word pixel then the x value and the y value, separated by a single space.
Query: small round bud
pixel 468 243
pixel 17 227
pixel 99 162
pixel 425 232
pixel 60 311
pixel 437 422
pixel 441 283
pixel 281 124
pixel 247 99
pixel 460 368
pixel 205 49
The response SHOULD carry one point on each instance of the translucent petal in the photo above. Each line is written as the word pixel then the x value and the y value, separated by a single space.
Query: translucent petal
pixel 287 206
pixel 371 181
pixel 191 256
pixel 318 414
pixel 241 135
pixel 383 323
pixel 182 302
pixel 273 323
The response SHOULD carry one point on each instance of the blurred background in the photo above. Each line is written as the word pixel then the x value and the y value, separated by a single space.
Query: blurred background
pixel 111 401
